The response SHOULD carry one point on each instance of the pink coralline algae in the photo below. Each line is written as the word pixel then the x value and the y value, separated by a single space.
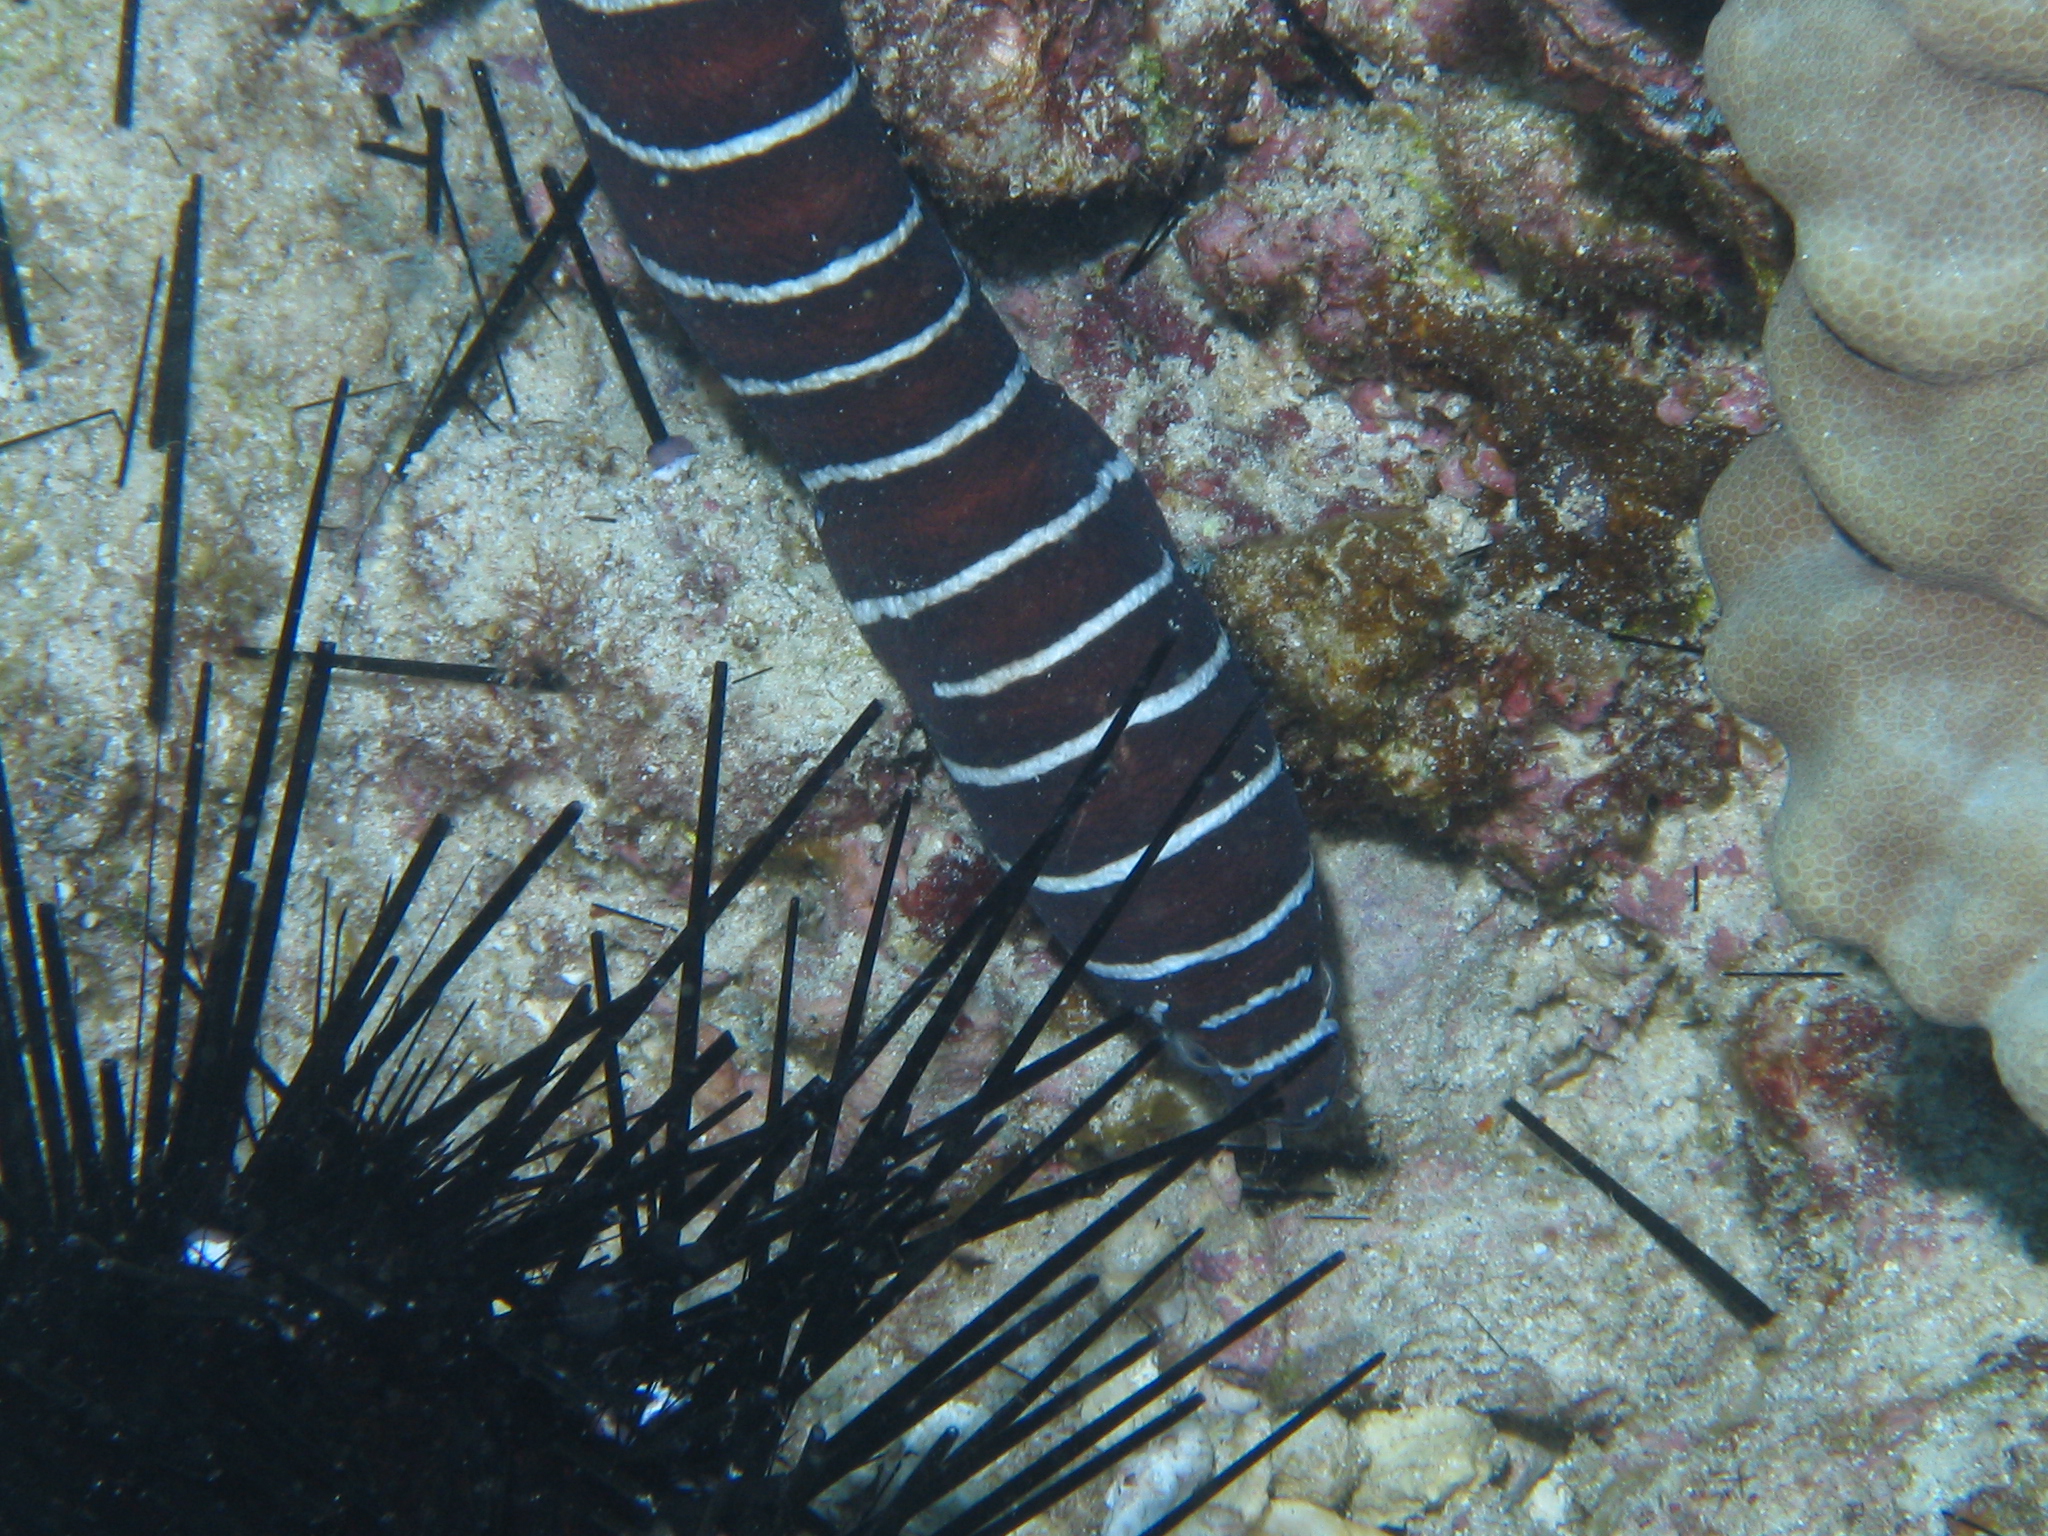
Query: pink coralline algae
pixel 1223 1278
pixel 1533 186
pixel 372 64
pixel 947 888
pixel 1143 356
pixel 1650 93
pixel 1640 87
pixel 1872 1121
pixel 1659 900
pixel 1264 260
pixel 1575 320
pixel 1524 216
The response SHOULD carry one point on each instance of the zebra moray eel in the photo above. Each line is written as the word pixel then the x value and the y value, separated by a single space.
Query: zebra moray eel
pixel 1003 558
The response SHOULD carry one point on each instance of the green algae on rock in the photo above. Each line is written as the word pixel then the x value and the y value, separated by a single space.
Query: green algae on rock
pixel 1537 745
pixel 1352 616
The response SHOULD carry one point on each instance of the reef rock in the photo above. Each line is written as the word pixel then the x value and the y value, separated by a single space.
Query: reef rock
pixel 1055 99
pixel 1540 746
pixel 1916 720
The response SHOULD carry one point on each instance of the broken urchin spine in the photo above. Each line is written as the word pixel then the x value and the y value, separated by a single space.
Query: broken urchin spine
pixel 1003 558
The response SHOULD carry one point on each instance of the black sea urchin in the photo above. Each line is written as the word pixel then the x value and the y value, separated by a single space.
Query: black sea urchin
pixel 379 1292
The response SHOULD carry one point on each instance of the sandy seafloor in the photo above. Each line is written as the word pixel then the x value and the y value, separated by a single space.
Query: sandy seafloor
pixel 1549 1369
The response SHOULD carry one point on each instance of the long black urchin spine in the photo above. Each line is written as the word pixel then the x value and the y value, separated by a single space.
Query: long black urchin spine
pixel 1003 558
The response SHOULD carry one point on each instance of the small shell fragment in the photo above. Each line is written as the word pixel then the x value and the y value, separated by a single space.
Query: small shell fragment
pixel 670 457
pixel 1157 1478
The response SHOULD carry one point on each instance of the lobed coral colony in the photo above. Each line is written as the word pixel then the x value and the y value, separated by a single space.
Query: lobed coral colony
pixel 1880 559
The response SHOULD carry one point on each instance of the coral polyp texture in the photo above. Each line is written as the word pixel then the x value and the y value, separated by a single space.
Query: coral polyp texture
pixel 1907 354
pixel 1915 185
pixel 1941 480
pixel 1907 351
pixel 1917 723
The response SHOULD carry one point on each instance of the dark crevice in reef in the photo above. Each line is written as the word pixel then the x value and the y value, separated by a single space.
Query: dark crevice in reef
pixel 1959 1129
pixel 1681 23
pixel 1020 242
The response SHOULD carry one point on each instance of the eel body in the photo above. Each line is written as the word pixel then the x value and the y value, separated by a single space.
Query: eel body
pixel 1003 558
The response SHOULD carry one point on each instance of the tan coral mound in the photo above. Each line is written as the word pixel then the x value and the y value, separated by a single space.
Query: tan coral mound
pixel 1945 483
pixel 1916 720
pixel 1918 191
pixel 1908 352
pixel 1909 358
pixel 2002 40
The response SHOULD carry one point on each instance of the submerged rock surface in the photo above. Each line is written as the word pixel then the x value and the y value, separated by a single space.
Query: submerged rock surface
pixel 1856 1169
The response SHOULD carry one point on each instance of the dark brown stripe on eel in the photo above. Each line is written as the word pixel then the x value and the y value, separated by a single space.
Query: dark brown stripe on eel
pixel 1003 558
